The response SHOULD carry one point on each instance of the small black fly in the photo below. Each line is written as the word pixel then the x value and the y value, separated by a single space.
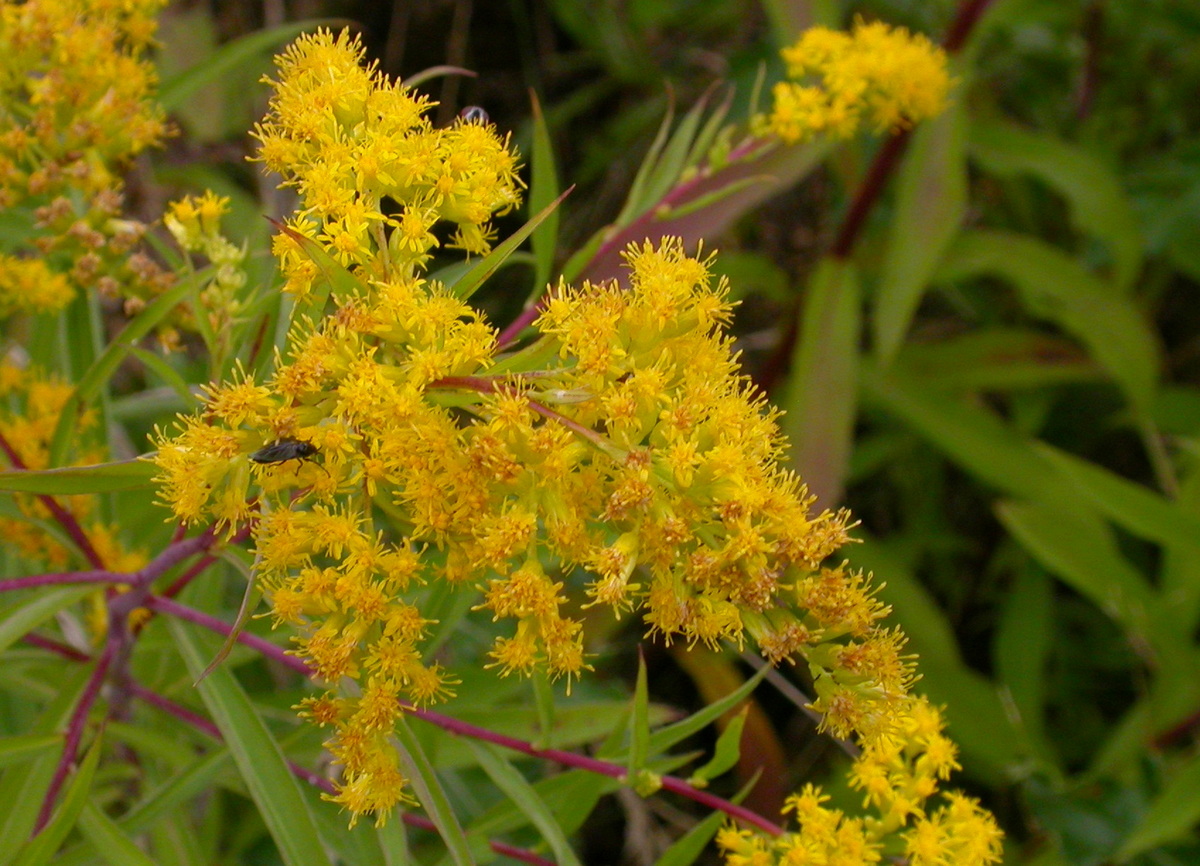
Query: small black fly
pixel 283 451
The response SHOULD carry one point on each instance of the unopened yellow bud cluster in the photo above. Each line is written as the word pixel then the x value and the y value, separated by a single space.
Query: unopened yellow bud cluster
pixel 876 75
pixel 76 96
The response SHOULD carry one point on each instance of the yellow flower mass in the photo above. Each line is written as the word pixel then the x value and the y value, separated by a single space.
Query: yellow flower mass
pixel 622 444
pixel 875 75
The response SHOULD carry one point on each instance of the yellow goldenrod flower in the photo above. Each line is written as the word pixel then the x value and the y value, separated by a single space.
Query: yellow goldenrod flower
pixel 875 75
pixel 392 447
pixel 348 140
pixel 29 415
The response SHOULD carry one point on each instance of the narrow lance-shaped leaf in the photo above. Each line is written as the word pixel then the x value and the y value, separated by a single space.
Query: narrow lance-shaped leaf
pixel 41 848
pixel 520 792
pixel 98 374
pixel 1055 287
pixel 821 399
pixel 1098 204
pixel 543 190
pixel 259 759
pixel 432 795
pixel 930 202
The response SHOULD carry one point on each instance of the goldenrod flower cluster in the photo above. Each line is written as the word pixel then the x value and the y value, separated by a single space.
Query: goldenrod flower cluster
pixel 899 774
pixel 31 403
pixel 876 75
pixel 75 93
pixel 367 163
pixel 395 445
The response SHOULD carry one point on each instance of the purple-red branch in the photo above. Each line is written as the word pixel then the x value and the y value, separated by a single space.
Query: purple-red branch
pixel 75 727
pixel 448 723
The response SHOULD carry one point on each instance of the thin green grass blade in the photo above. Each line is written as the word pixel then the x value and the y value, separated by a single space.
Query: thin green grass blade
pixel 489 264
pixel 71 480
pixel 727 752
pixel 23 747
pixel 543 189
pixel 931 201
pixel 259 759
pixel 25 784
pixel 520 792
pixel 433 796
pixel 101 370
pixel 821 399
pixel 19 619
pixel 104 834
pixel 665 738
pixel 639 731
pixel 40 850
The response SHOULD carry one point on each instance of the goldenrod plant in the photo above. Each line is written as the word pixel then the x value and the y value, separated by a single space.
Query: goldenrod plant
pixel 331 562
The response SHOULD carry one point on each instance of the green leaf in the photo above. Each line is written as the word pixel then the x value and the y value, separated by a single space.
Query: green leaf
pixel 571 797
pixel 688 848
pixel 634 200
pixel 1056 288
pixel 101 370
pixel 108 839
pixel 520 792
pixel 639 739
pixel 432 795
pixel 665 738
pixel 1171 815
pixel 159 366
pixel 164 800
pixel 25 784
pixel 229 57
pixel 71 480
pixel 250 600
pixel 1140 510
pixel 543 699
pixel 259 759
pixel 19 619
pixel 41 848
pixel 1098 204
pixel 671 162
pixel 931 199
pixel 821 394
pixel 19 748
pixel 725 756
pixel 1021 651
pixel 1078 547
pixel 543 190
pixel 1005 359
pixel 393 842
pixel 969 435
pixel 470 282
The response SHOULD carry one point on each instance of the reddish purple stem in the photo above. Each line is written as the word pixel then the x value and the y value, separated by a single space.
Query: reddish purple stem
pixel 448 723
pixel 75 727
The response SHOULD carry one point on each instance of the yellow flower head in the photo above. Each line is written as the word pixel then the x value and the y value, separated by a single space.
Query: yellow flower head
pixel 374 175
pixel 875 75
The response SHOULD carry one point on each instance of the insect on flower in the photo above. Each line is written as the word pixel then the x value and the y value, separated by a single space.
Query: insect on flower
pixel 283 451
pixel 473 114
